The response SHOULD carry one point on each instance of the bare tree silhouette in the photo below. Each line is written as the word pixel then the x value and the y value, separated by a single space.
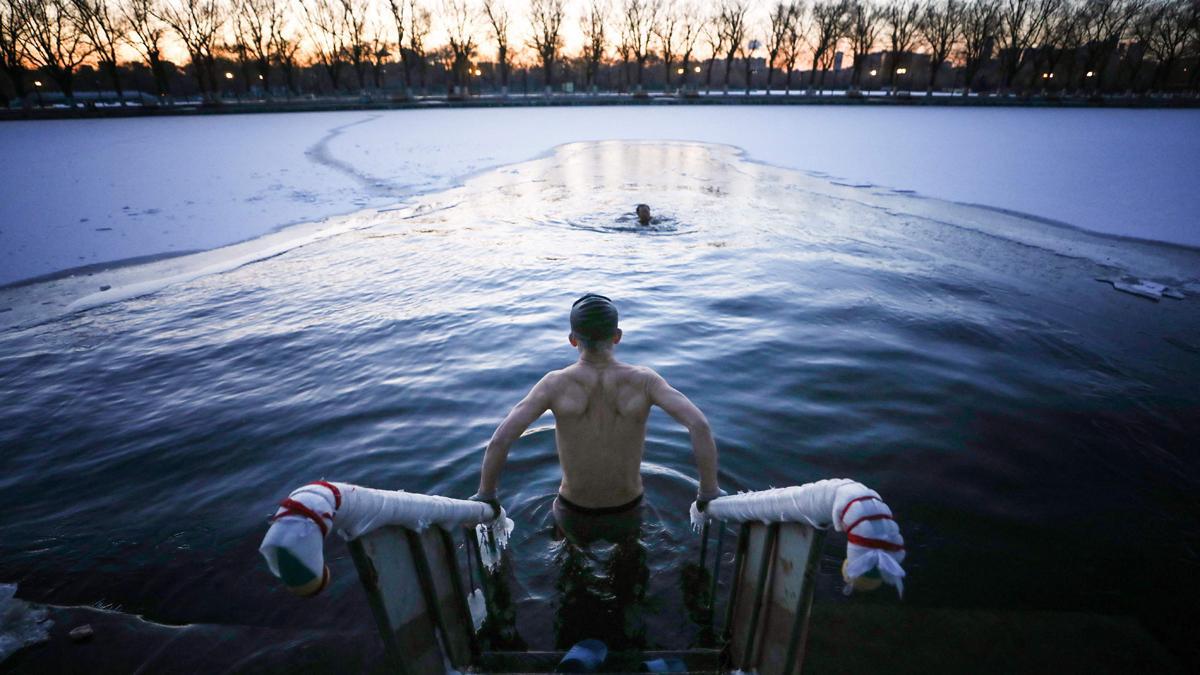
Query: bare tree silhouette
pixel 498 19
pixel 460 29
pixel 13 25
pixel 1080 47
pixel 666 30
pixel 146 35
pixel 939 27
pixel 731 22
pixel 105 29
pixel 864 25
pixel 55 41
pixel 420 22
pixel 261 20
pixel 981 24
pixel 1022 27
pixel 592 25
pixel 641 18
pixel 546 17
pixel 714 38
pixel 900 19
pixel 830 23
pixel 691 23
pixel 793 42
pixel 782 20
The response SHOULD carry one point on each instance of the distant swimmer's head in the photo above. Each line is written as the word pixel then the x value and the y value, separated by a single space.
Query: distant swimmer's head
pixel 643 213
pixel 594 323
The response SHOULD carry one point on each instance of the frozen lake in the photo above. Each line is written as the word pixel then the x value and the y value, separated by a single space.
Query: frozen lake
pixel 1033 429
pixel 87 192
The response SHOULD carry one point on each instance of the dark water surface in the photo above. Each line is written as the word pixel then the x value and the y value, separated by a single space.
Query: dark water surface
pixel 1034 430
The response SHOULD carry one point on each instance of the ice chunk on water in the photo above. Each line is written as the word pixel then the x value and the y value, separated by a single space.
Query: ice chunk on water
pixel 21 623
pixel 1142 287
pixel 478 608
pixel 1146 290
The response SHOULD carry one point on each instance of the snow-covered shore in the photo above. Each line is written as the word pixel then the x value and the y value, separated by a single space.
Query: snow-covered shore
pixel 84 192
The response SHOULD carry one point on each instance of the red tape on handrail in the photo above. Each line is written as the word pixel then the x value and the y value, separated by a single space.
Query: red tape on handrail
pixel 851 503
pixel 877 516
pixel 873 543
pixel 291 507
pixel 337 495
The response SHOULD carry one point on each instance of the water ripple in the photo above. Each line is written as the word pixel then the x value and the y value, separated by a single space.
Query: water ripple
pixel 1008 406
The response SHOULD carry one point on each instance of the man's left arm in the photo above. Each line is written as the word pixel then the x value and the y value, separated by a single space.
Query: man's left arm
pixel 536 402
pixel 704 446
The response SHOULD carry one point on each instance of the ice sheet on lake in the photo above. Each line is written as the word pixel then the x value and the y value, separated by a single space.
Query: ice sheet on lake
pixel 560 183
pixel 83 192
pixel 21 623
pixel 234 258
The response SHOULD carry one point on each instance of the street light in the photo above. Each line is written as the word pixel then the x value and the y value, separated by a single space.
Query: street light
pixel 1090 73
pixel 37 83
pixel 229 76
pixel 899 71
pixel 697 69
pixel 874 72
pixel 679 71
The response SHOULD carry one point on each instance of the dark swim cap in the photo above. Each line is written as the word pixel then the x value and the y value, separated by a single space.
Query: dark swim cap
pixel 594 317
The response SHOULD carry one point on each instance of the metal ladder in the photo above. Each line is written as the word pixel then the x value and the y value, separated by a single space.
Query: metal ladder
pixel 415 587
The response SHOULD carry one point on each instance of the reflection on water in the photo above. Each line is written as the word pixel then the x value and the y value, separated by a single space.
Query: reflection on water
pixel 617 224
pixel 1032 429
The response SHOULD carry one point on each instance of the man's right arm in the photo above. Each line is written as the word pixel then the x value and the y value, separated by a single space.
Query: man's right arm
pixel 536 402
pixel 704 447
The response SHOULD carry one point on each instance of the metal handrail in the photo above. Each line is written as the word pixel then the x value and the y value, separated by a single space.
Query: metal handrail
pixel 806 506
pixel 759 588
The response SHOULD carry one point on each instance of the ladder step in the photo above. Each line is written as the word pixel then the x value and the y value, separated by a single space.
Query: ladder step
pixel 697 660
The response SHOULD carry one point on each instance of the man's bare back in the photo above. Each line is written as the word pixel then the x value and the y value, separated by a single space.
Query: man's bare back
pixel 600 408
pixel 600 412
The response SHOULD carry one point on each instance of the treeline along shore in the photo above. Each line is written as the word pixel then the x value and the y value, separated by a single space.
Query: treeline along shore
pixel 104 57
pixel 319 104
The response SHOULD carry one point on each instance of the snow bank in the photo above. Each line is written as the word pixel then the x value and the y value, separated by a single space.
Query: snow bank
pixel 21 624
pixel 226 259
pixel 82 192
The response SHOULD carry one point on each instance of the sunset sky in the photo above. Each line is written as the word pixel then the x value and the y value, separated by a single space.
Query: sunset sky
pixel 520 26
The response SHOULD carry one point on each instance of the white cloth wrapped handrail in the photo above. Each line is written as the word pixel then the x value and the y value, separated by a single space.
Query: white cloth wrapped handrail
pixel 303 520
pixel 873 540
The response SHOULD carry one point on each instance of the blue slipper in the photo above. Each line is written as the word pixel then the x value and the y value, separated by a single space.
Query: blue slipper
pixel 585 657
pixel 663 666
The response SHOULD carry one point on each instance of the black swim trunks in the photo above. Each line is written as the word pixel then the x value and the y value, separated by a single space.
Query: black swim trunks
pixel 583 525
pixel 603 510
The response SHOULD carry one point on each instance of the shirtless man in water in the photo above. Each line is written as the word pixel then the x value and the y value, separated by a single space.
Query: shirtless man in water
pixel 600 408
pixel 643 214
